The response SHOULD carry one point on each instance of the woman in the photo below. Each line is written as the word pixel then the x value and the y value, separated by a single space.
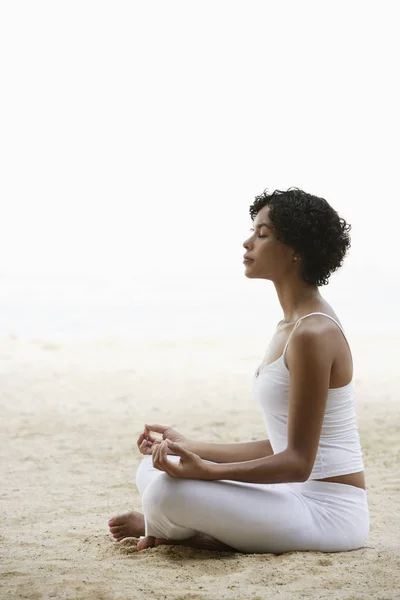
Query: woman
pixel 304 488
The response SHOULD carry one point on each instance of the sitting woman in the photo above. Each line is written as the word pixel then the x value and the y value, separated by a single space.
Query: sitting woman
pixel 303 488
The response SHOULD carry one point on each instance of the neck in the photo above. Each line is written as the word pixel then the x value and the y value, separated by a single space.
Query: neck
pixel 296 297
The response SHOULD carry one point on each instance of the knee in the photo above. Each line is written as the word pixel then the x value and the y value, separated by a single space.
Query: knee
pixel 161 495
pixel 143 474
pixel 146 474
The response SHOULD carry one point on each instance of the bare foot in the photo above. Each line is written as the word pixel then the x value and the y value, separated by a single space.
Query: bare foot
pixel 200 540
pixel 146 542
pixel 130 524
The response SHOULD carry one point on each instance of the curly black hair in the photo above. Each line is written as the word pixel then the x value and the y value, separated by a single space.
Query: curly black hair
pixel 310 226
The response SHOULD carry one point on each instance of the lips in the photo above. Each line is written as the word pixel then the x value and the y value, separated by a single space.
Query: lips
pixel 247 258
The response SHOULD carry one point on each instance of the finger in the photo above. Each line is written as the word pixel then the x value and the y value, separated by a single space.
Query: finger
pixel 145 447
pixel 148 435
pixel 156 443
pixel 156 428
pixel 153 456
pixel 178 449
pixel 160 461
pixel 146 441
pixel 169 467
pixel 163 453
pixel 156 452
pixel 162 457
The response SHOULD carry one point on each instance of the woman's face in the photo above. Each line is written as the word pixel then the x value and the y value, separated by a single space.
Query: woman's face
pixel 270 258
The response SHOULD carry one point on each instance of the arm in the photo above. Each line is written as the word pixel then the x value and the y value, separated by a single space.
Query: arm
pixel 309 383
pixel 206 450
pixel 229 453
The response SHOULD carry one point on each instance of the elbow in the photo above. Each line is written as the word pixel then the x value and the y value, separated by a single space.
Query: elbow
pixel 301 467
pixel 303 474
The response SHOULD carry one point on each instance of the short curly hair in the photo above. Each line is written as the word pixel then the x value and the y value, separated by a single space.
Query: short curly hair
pixel 310 226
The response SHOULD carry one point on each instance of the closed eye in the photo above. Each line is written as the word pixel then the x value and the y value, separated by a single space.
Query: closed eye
pixel 260 236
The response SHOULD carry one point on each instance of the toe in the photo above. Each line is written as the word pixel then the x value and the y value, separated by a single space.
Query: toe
pixel 118 520
pixel 116 529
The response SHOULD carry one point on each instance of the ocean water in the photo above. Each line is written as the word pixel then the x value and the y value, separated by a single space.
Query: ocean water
pixel 180 305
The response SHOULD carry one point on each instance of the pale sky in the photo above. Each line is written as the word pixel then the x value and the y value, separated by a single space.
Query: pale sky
pixel 135 135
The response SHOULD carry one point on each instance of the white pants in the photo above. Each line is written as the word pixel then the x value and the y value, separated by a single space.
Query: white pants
pixel 252 517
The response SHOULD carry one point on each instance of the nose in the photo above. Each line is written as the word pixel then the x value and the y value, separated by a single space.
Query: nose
pixel 246 244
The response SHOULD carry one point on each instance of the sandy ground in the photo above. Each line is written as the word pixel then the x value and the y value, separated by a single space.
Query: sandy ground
pixel 70 417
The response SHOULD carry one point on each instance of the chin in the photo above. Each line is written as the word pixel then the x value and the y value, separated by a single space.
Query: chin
pixel 248 273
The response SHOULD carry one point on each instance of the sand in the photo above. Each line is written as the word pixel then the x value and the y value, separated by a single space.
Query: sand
pixel 70 416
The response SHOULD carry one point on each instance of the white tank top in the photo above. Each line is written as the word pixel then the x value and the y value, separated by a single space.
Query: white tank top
pixel 339 450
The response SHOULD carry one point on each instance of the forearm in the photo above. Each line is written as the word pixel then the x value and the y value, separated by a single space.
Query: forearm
pixel 283 467
pixel 229 453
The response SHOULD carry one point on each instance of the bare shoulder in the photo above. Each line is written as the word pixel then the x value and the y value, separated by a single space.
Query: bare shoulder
pixel 316 338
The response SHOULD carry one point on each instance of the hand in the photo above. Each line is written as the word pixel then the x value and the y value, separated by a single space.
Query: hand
pixel 190 466
pixel 146 441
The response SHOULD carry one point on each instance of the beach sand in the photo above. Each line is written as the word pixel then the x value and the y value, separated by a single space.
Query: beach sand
pixel 70 417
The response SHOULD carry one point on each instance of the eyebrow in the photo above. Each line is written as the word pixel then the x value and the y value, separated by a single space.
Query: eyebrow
pixel 261 224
